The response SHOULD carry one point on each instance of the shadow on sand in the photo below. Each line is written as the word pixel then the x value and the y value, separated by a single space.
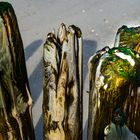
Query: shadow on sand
pixel 39 129
pixel 31 48
pixel 89 48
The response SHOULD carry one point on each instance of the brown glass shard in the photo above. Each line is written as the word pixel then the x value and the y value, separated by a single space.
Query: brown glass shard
pixel 15 99
pixel 62 85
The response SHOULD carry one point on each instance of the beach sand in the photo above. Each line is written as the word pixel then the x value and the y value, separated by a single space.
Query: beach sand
pixel 98 20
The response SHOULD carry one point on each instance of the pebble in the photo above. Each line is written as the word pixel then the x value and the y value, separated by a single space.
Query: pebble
pixel 92 30
pixel 83 11
pixel 106 21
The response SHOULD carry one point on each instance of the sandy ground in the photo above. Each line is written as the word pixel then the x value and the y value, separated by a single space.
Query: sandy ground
pixel 98 20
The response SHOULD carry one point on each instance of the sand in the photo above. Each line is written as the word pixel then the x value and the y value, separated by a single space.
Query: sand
pixel 98 20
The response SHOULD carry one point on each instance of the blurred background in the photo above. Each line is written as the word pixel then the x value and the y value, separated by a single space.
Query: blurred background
pixel 98 20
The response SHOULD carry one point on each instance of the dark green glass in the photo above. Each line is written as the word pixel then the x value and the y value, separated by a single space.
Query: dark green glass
pixel 114 100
